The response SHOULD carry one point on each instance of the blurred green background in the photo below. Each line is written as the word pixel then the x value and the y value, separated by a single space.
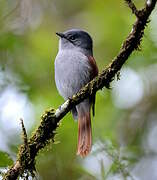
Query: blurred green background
pixel 125 125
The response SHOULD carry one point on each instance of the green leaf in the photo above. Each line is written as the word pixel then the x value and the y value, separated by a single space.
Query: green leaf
pixel 5 159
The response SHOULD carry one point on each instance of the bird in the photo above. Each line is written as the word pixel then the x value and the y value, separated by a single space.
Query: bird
pixel 75 66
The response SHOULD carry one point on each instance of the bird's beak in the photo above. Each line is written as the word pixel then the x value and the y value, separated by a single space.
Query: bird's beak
pixel 60 35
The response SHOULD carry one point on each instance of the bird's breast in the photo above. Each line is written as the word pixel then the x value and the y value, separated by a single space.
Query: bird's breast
pixel 72 72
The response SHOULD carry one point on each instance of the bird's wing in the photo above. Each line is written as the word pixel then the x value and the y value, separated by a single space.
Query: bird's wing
pixel 94 73
pixel 94 67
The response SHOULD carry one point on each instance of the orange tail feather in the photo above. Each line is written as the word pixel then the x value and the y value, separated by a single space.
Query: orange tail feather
pixel 84 135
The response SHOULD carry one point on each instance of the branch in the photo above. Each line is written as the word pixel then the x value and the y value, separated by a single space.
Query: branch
pixel 51 118
pixel 132 7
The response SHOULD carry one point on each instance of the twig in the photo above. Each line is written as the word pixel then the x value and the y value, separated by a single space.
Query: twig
pixel 132 7
pixel 51 118
pixel 24 133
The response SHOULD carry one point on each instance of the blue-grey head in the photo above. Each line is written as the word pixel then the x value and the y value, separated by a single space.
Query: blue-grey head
pixel 77 39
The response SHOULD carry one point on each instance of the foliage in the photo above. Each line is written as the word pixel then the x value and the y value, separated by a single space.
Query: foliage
pixel 5 159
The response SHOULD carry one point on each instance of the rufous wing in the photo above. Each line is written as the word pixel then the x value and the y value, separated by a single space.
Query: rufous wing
pixel 94 73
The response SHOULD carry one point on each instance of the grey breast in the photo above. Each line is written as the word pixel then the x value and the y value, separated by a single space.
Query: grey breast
pixel 72 72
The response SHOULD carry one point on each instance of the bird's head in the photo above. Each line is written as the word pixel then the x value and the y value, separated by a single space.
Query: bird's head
pixel 75 38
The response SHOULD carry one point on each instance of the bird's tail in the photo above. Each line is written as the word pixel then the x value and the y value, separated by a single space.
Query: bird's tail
pixel 84 134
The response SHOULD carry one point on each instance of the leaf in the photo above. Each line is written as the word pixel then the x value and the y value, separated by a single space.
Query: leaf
pixel 5 159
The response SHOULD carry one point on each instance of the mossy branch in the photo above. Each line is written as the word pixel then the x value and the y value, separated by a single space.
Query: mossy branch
pixel 50 119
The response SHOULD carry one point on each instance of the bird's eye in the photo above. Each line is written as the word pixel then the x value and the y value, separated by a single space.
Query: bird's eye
pixel 72 38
